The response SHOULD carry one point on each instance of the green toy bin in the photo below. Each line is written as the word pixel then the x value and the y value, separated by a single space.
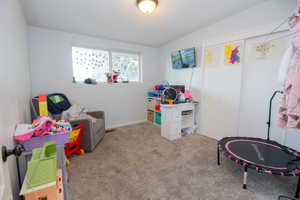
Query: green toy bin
pixel 42 166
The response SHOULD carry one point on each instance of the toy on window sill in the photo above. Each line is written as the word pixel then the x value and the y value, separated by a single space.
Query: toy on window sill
pixel 112 77
pixel 90 81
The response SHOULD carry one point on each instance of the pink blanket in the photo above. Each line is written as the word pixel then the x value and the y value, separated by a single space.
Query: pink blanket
pixel 41 127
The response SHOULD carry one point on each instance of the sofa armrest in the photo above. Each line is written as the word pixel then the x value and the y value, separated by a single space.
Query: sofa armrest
pixel 84 122
pixel 97 114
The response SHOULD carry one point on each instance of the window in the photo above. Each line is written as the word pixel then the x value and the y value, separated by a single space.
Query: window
pixel 90 63
pixel 94 64
pixel 127 65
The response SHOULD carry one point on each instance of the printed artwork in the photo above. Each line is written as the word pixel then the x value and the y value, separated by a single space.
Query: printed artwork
pixel 268 50
pixel 263 50
pixel 212 56
pixel 232 54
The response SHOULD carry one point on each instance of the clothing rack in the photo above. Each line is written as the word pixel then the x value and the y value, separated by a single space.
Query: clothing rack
pixel 274 31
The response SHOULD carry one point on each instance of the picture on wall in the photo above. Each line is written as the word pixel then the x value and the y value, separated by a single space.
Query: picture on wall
pixel 232 53
pixel 212 56
pixel 263 50
pixel 268 50
pixel 185 58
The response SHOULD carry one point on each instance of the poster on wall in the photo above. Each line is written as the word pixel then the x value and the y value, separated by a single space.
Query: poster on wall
pixel 212 56
pixel 267 50
pixel 232 53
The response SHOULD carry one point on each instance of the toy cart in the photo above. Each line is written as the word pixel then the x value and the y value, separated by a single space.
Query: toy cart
pixel 74 146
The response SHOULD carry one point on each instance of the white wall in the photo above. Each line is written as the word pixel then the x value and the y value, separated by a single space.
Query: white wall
pixel 51 71
pixel 14 76
pixel 219 90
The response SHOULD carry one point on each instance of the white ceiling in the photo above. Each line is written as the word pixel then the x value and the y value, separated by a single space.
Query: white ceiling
pixel 121 20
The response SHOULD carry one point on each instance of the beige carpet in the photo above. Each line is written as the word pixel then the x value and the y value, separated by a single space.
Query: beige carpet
pixel 136 163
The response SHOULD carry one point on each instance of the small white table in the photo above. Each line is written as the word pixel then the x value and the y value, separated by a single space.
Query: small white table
pixel 177 119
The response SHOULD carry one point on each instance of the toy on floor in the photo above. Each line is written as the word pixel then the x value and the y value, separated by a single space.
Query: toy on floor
pixel 74 146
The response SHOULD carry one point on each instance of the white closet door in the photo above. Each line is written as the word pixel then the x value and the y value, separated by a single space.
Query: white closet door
pixel 220 98
pixel 5 188
pixel 259 81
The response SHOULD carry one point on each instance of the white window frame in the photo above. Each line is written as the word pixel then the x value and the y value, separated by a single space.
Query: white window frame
pixel 110 51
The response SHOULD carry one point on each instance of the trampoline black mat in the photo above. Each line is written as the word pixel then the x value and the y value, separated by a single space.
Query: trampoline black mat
pixel 262 155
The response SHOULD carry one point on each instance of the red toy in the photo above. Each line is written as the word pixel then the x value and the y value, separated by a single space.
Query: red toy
pixel 74 146
pixel 157 107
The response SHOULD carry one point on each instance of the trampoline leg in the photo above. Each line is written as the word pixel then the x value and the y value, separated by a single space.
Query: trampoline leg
pixel 298 189
pixel 218 156
pixel 245 178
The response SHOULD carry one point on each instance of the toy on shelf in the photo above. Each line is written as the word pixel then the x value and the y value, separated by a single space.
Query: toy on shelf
pixel 161 95
pixel 40 127
pixel 188 95
pixel 157 108
pixel 42 130
pixel 61 126
pixel 169 94
pixel 74 146
pixel 43 107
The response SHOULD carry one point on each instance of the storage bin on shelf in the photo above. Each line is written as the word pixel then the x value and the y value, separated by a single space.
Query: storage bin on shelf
pixel 187 119
pixel 60 138
pixel 150 116
pixel 151 103
pixel 158 118
pixel 153 110
pixel 42 166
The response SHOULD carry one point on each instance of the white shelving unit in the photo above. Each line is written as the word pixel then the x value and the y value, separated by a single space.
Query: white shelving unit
pixel 178 120
pixel 153 115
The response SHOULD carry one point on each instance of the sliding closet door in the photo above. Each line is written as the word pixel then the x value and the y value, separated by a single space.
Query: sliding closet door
pixel 259 81
pixel 220 97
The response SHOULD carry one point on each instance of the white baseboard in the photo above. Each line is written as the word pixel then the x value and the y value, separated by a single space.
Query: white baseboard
pixel 127 124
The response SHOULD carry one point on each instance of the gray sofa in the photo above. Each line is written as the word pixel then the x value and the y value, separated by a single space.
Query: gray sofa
pixel 94 130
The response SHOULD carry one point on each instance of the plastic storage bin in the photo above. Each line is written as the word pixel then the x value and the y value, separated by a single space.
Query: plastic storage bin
pixel 150 116
pixel 42 166
pixel 37 142
pixel 158 118
pixel 151 103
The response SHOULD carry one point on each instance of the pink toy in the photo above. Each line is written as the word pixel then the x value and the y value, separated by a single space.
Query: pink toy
pixel 188 94
pixel 112 77
pixel 61 126
pixel 41 126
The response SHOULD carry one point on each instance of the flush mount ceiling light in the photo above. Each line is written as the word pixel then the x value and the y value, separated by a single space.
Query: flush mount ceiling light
pixel 147 6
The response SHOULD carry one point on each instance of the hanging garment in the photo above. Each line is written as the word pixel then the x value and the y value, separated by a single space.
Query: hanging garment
pixel 288 56
pixel 285 64
pixel 289 113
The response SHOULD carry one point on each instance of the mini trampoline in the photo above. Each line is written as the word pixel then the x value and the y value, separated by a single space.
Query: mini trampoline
pixel 263 155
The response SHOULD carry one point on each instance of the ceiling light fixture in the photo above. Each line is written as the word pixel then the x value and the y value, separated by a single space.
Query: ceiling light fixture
pixel 147 6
